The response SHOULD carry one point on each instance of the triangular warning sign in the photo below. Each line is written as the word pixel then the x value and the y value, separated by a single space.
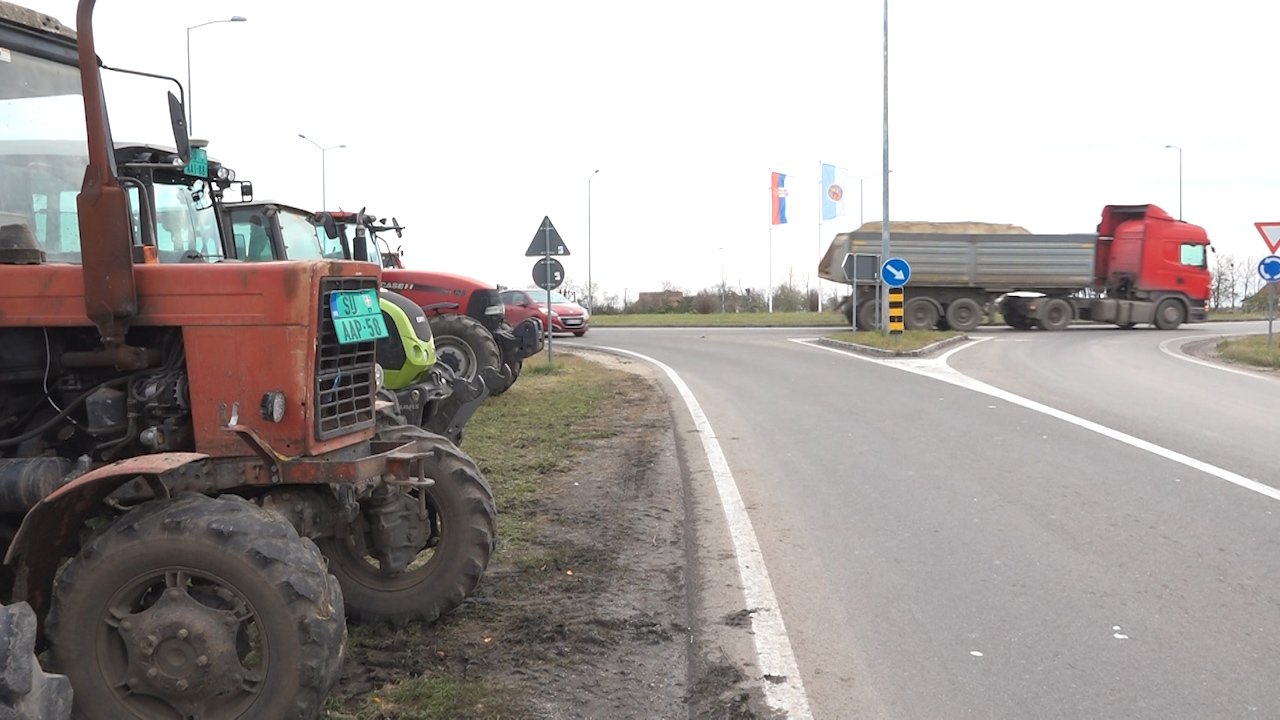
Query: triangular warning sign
pixel 546 241
pixel 1271 233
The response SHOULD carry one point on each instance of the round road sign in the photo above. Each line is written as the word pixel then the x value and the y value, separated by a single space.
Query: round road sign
pixel 548 273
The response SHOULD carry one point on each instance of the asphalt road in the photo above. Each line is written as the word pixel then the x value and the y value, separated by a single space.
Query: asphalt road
pixel 940 552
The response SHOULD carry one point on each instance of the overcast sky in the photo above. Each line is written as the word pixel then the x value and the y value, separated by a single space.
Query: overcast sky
pixel 471 121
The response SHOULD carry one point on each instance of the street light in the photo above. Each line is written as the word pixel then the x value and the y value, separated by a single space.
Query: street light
pixel 591 305
pixel 860 201
pixel 324 198
pixel 190 101
pixel 1175 147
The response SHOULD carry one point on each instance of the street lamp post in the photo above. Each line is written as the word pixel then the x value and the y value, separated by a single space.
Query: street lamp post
pixel 1175 147
pixel 591 290
pixel 190 94
pixel 324 198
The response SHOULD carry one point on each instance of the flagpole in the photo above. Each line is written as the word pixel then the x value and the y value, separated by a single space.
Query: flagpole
pixel 819 283
pixel 768 290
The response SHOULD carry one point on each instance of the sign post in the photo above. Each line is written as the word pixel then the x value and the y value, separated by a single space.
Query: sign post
pixel 1269 270
pixel 547 242
pixel 859 267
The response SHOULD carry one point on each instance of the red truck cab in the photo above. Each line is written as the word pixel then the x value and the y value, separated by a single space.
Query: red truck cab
pixel 1145 254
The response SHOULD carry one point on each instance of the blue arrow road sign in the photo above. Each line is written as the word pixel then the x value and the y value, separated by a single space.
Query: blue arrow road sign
pixel 1269 268
pixel 895 271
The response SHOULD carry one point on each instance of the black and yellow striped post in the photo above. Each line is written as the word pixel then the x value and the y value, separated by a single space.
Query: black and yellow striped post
pixel 896 305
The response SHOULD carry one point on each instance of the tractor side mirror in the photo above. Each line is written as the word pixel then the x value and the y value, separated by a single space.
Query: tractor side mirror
pixel 178 121
pixel 246 191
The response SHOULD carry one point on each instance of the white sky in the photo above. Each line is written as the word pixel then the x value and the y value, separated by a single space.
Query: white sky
pixel 471 121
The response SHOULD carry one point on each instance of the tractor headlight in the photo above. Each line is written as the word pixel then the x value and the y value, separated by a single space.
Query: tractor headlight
pixel 274 404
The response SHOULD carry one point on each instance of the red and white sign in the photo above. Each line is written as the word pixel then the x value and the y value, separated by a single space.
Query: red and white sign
pixel 1270 232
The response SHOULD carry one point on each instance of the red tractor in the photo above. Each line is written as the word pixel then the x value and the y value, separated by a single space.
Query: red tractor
pixel 467 316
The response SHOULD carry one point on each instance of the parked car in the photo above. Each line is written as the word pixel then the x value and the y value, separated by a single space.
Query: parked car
pixel 567 316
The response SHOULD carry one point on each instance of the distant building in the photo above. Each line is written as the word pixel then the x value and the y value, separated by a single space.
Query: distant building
pixel 670 299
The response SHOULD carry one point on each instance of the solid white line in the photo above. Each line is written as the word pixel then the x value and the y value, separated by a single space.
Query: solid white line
pixel 1164 348
pixel 783 688
pixel 938 369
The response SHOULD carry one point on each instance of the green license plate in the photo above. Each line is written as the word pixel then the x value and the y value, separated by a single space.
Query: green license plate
pixel 357 316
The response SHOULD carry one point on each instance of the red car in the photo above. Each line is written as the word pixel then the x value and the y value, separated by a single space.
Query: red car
pixel 567 316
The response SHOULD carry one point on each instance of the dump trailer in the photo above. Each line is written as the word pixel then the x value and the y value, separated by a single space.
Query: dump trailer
pixel 1140 266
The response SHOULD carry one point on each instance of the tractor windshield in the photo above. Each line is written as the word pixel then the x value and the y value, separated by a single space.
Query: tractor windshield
pixel 43 155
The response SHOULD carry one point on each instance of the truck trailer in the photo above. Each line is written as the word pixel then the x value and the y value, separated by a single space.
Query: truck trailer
pixel 1141 266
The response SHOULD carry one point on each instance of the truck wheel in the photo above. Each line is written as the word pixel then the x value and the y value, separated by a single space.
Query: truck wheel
pixel 1170 314
pixel 964 314
pixel 198 607
pixel 867 315
pixel 448 569
pixel 1056 314
pixel 465 346
pixel 920 314
pixel 1017 322
pixel 26 691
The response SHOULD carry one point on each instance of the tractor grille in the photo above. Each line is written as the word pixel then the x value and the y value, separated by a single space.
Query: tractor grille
pixel 344 373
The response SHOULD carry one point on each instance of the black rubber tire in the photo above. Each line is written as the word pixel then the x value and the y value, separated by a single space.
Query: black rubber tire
pixel 465 345
pixel 867 315
pixel 1170 314
pixel 1018 322
pixel 224 552
pixel 463 503
pixel 26 691
pixel 964 314
pixel 1056 315
pixel 920 314
pixel 515 369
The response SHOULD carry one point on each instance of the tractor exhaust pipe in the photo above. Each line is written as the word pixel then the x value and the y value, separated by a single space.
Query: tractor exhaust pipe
pixel 110 291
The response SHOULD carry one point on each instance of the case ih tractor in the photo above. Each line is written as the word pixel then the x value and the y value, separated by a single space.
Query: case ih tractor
pixel 462 310
pixel 190 452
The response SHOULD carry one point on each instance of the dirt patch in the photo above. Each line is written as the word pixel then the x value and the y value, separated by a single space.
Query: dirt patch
pixel 587 618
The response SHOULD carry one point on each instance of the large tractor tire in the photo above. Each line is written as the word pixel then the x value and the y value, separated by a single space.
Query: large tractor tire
pixel 198 607
pixel 456 551
pixel 26 691
pixel 467 347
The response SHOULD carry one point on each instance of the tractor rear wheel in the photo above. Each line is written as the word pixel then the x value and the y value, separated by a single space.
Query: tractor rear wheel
pixel 466 346
pixel 198 607
pixel 448 566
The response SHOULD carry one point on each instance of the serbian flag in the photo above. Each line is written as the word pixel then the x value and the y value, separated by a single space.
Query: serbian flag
pixel 834 182
pixel 778 189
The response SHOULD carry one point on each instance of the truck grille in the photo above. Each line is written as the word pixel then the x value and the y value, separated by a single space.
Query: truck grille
pixel 344 388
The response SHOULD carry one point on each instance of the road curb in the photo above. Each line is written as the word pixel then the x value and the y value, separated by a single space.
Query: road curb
pixel 925 351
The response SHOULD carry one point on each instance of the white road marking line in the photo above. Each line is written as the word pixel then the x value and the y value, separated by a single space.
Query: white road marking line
pixel 938 369
pixel 1164 348
pixel 783 688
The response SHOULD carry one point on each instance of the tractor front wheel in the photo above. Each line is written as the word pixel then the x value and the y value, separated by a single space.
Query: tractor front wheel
pixel 198 607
